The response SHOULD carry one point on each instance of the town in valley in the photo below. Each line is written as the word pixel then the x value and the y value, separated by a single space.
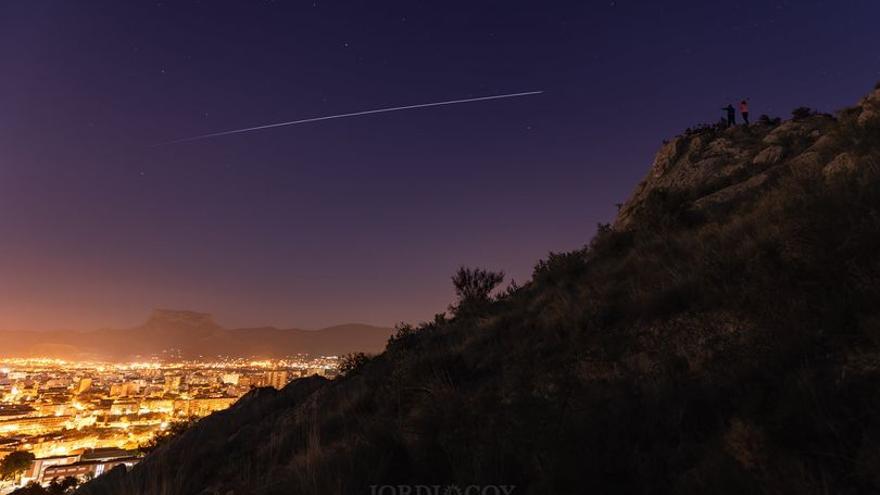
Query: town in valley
pixel 81 419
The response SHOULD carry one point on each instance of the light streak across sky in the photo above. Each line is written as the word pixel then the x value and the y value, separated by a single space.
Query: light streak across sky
pixel 352 114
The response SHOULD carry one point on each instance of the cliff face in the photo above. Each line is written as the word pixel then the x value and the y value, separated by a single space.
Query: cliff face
pixel 724 338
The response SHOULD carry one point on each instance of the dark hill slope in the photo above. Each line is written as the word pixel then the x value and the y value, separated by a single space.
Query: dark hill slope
pixel 723 338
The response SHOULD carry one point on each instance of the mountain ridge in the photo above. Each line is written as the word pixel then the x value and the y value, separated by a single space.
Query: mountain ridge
pixel 192 334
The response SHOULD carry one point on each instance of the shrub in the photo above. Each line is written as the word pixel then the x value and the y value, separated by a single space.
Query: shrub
pixel 14 464
pixel 32 488
pixel 58 486
pixel 863 139
pixel 800 113
pixel 510 291
pixel 560 266
pixel 709 130
pixel 402 336
pixel 768 121
pixel 665 209
pixel 473 287
pixel 352 363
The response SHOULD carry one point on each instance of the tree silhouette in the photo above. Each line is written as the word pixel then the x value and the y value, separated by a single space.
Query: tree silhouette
pixel 14 464
pixel 352 362
pixel 58 486
pixel 474 287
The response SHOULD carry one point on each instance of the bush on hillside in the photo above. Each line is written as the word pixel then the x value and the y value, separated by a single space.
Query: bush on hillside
pixel 863 139
pixel 801 113
pixel 765 119
pixel 58 486
pixel 403 336
pixel 473 287
pixel 14 464
pixel 352 362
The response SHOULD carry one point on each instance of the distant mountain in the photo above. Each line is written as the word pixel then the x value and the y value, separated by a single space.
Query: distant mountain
pixel 722 337
pixel 191 334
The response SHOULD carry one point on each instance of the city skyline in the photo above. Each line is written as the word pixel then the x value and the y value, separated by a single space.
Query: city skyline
pixel 81 418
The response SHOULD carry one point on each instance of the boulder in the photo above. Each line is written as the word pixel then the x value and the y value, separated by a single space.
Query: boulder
pixel 807 159
pixel 723 147
pixel 695 146
pixel 770 155
pixel 666 156
pixel 807 164
pixel 841 164
pixel 732 193
pixel 786 129
pixel 870 108
pixel 795 130
pixel 824 144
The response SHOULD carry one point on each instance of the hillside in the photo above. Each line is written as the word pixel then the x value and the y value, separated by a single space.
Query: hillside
pixel 722 337
pixel 189 335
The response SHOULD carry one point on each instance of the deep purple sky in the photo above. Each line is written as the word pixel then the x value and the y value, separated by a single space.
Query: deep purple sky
pixel 360 219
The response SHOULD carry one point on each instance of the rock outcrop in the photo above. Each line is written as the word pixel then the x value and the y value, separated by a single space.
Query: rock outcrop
pixel 714 166
pixel 870 108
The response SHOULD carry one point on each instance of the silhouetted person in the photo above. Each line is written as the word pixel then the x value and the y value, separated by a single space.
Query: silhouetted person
pixel 744 111
pixel 731 115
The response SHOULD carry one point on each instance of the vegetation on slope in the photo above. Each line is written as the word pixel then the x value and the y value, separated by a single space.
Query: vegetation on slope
pixel 723 346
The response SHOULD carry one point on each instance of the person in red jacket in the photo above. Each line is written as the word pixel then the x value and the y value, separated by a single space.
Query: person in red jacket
pixel 744 111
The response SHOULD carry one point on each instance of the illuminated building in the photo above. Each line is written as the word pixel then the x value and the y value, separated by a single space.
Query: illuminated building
pixel 56 410
pixel 124 389
pixel 84 385
pixel 121 407
pixel 172 384
pixel 90 464
pixel 33 426
pixel 41 464
pixel 277 379
pixel 157 405
pixel 202 406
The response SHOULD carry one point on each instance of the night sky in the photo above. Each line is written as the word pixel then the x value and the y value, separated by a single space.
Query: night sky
pixel 361 219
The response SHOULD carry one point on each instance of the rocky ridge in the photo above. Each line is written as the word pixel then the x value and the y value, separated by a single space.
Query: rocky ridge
pixel 713 166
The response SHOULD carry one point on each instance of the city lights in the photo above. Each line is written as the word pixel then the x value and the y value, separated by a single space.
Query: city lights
pixel 84 417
